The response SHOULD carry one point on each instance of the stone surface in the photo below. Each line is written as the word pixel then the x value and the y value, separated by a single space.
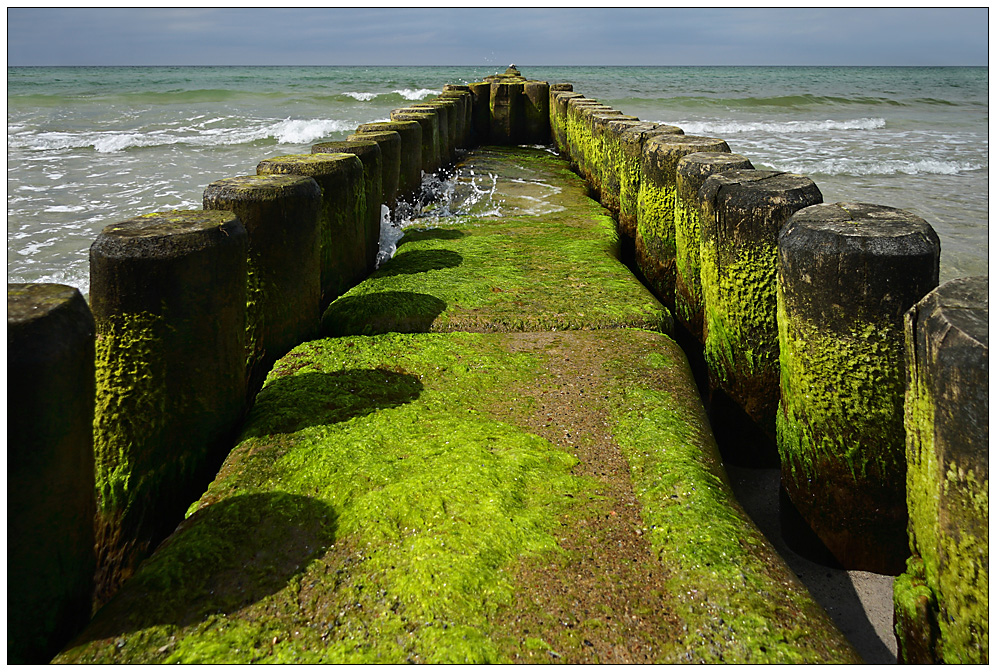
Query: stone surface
pixel 470 498
pixel 547 259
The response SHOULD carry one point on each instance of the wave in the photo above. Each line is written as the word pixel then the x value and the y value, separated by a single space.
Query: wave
pixel 789 102
pixel 732 127
pixel 287 131
pixel 865 167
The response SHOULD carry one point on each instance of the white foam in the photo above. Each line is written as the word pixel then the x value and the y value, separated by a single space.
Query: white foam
pixel 733 127
pixel 362 97
pixel 415 94
pixel 864 167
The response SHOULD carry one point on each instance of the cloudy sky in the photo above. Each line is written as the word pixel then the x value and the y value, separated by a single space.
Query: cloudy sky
pixel 553 36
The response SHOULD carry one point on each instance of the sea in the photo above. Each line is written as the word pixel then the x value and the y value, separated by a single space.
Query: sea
pixel 93 146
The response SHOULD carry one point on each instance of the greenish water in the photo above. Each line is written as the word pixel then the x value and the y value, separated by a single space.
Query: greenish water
pixel 91 146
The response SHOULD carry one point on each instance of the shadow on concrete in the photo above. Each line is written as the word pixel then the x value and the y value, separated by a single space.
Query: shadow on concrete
pixel 312 398
pixel 852 599
pixel 415 235
pixel 380 313
pixel 419 261
pixel 226 556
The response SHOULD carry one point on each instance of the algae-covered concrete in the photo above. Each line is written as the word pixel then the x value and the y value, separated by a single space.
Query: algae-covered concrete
pixel 469 498
pixel 530 252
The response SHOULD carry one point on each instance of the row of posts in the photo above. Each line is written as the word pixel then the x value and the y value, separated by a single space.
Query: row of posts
pixel 822 325
pixel 121 410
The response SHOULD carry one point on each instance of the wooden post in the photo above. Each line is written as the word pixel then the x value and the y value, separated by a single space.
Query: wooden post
pixel 50 477
pixel 341 220
pixel 657 199
pixel 743 212
pixel 942 600
pixel 692 172
pixel 369 154
pixel 280 215
pixel 410 160
pixel 168 295
pixel 846 274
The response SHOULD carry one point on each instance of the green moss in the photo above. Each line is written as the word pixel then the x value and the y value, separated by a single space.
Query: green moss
pixel 130 409
pixel 740 315
pixel 728 585
pixel 558 270
pixel 384 493
pixel 655 219
pixel 411 531
pixel 687 227
pixel 954 558
pixel 840 393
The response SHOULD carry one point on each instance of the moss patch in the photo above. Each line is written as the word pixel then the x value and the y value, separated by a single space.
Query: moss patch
pixel 392 495
pixel 505 272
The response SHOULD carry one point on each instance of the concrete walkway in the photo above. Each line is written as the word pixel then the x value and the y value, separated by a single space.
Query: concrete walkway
pixel 497 455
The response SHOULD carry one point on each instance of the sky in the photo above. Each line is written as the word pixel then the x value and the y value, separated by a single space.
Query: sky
pixel 496 36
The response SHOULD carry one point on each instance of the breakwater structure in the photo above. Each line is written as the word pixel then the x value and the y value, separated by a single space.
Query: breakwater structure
pixel 255 444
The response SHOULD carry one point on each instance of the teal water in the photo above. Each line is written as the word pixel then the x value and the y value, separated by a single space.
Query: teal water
pixel 91 146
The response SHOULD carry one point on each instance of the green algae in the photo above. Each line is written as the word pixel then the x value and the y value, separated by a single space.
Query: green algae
pixel 382 496
pixel 130 408
pixel 555 270
pixel 840 397
pixel 741 344
pixel 745 604
pixel 949 561
pixel 433 497
pixel 688 267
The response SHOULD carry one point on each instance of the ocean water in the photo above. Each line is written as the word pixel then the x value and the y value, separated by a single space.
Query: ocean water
pixel 91 146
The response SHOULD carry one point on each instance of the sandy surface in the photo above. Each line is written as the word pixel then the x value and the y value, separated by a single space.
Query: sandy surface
pixel 860 603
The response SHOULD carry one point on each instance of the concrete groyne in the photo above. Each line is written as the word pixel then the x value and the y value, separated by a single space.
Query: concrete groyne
pixel 761 310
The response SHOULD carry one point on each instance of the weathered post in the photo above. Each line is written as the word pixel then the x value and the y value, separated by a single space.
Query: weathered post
pixel 692 172
pixel 576 129
pixel 536 108
pixel 341 220
pixel 461 94
pixel 50 481
pixel 847 272
pixel 168 295
pixel 390 151
pixel 555 90
pixel 656 202
pixel 369 154
pixel 280 215
pixel 410 160
pixel 443 128
pixel 429 123
pixel 600 159
pixel 942 600
pixel 558 119
pixel 742 213
pixel 614 158
pixel 631 141
pixel 507 123
pixel 480 111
